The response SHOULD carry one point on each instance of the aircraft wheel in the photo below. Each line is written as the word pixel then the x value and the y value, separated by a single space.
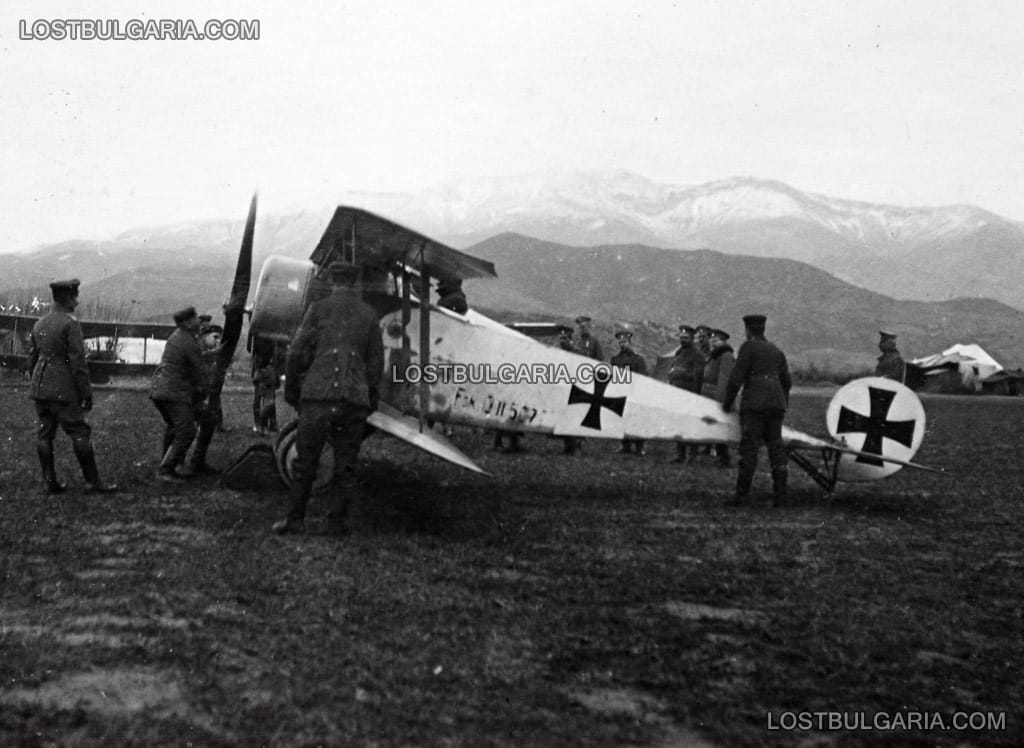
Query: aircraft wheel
pixel 285 453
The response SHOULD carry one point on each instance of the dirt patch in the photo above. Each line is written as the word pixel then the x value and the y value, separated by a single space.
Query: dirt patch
pixel 700 612
pixel 619 702
pixel 107 692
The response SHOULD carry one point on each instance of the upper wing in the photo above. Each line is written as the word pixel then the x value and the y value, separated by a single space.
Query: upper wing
pixel 380 240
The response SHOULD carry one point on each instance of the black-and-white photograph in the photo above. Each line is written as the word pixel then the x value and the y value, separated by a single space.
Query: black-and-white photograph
pixel 612 373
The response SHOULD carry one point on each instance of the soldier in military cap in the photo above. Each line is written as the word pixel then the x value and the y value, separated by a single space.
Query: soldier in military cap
pixel 762 373
pixel 587 345
pixel 686 372
pixel 334 371
pixel 451 296
pixel 629 359
pixel 717 371
pixel 178 390
pixel 890 363
pixel 60 388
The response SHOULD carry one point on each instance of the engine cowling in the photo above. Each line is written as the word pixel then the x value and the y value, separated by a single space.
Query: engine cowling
pixel 282 293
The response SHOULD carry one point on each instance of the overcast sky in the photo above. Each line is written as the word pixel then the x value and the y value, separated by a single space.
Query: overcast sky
pixel 908 103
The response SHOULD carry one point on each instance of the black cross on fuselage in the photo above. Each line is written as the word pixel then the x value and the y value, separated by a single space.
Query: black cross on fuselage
pixel 597 401
pixel 875 425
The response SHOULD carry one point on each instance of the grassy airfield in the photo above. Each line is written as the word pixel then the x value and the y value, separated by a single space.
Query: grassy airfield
pixel 602 599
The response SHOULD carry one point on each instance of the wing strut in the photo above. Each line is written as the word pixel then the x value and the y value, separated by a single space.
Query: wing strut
pixel 424 293
pixel 824 476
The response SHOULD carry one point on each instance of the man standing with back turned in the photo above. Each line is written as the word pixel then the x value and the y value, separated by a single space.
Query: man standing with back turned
pixel 334 370
pixel 763 374
pixel 61 389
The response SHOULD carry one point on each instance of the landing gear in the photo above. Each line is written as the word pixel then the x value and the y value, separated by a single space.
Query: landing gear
pixel 285 453
pixel 826 475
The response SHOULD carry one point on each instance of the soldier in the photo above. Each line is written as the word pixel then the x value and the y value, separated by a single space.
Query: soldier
pixel 565 341
pixel 686 372
pixel 334 370
pixel 178 391
pixel 61 389
pixel 763 374
pixel 629 359
pixel 570 444
pixel 716 378
pixel 266 381
pixel 587 344
pixel 890 363
pixel 451 296
pixel 702 339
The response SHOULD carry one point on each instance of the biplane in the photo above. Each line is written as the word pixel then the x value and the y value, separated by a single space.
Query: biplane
pixel 468 369
pixel 103 341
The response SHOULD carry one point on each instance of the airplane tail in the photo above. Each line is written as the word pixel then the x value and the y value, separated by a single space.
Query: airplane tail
pixel 881 424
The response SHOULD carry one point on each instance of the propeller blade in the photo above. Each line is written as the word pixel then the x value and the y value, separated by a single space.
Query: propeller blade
pixel 234 310
pixel 243 270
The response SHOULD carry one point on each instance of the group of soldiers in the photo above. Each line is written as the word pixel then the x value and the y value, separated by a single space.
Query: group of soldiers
pixel 333 377
pixel 706 364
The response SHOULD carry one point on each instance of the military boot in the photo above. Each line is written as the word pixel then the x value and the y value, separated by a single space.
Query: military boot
pixel 744 479
pixel 46 461
pixel 779 478
pixel 87 459
pixel 344 491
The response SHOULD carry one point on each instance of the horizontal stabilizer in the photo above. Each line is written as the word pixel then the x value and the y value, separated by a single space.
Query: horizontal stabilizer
pixel 391 421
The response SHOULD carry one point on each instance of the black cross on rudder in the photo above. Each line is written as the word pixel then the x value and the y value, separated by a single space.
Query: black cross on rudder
pixel 875 425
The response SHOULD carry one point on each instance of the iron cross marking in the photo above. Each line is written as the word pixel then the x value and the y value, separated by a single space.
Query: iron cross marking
pixel 875 425
pixel 597 401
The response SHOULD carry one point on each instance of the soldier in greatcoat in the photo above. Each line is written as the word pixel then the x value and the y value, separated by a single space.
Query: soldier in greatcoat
pixel 178 390
pixel 686 372
pixel 717 371
pixel 587 345
pixel 629 359
pixel 762 373
pixel 890 363
pixel 333 374
pixel 61 389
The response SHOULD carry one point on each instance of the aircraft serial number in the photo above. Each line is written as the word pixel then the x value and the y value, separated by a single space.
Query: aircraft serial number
pixel 495 408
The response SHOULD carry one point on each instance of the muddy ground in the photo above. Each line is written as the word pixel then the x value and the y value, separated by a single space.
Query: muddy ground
pixel 602 599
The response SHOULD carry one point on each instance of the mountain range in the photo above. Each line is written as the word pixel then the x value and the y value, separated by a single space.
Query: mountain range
pixel 624 248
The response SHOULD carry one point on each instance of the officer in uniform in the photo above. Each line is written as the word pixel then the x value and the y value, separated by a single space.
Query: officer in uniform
pixel 629 359
pixel 762 373
pixel 686 372
pixel 178 391
pixel 890 363
pixel 61 389
pixel 717 371
pixel 334 370
pixel 587 344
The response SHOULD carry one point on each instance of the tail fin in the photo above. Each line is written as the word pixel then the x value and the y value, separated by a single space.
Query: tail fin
pixel 875 418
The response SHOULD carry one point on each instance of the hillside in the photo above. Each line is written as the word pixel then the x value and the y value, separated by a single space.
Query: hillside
pixel 810 311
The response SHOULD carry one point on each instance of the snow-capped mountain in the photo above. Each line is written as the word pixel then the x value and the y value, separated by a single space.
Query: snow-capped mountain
pixel 922 253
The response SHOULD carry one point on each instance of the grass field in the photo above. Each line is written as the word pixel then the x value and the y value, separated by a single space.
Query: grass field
pixel 595 600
